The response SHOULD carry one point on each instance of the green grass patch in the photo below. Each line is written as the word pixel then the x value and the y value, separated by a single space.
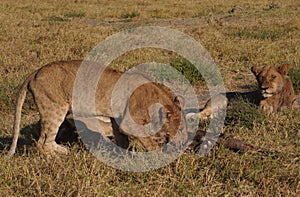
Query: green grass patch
pixel 130 15
pixel 55 19
pixel 74 14
pixel 243 114
pixel 258 35
pixel 7 95
pixel 294 74
pixel 186 68
pixel 183 71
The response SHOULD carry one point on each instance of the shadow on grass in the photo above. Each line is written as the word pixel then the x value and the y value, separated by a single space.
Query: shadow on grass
pixel 67 135
pixel 29 135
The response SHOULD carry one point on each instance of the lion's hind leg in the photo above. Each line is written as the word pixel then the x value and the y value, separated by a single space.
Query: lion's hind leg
pixel 51 119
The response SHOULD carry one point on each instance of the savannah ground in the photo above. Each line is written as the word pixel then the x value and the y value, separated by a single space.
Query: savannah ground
pixel 237 34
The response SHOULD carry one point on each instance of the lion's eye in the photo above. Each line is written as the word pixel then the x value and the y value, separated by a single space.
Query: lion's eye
pixel 273 77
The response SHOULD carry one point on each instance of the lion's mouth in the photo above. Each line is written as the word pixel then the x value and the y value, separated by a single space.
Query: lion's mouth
pixel 265 94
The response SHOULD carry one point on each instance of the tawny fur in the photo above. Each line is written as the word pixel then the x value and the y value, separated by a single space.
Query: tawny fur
pixel 52 88
pixel 276 88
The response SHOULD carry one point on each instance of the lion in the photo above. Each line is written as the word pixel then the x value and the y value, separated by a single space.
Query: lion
pixel 276 88
pixel 52 88
pixel 275 92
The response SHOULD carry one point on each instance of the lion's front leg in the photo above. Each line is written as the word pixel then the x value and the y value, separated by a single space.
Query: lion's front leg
pixel 211 108
pixel 264 106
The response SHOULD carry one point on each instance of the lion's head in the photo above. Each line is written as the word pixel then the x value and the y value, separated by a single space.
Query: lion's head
pixel 155 116
pixel 275 86
pixel 270 79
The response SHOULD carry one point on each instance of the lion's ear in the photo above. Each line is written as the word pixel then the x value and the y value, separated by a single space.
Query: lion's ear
pixel 284 69
pixel 256 70
pixel 179 101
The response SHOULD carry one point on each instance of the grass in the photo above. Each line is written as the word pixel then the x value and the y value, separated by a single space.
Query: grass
pixel 187 69
pixel 129 15
pixel 255 35
pixel 294 74
pixel 181 67
pixel 242 114
pixel 74 14
pixel 237 35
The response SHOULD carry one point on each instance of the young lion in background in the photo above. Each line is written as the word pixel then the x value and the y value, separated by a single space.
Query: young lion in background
pixel 275 91
pixel 276 88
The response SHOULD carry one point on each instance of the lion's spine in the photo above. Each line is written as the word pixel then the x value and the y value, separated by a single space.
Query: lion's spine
pixel 18 113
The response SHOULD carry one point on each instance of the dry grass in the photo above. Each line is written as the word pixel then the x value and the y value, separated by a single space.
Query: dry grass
pixel 237 34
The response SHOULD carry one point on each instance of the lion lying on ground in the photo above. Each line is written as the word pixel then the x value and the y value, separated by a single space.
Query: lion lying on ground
pixel 275 92
pixel 52 86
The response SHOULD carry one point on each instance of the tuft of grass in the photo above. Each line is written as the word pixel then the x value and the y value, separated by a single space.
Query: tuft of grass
pixel 74 14
pixel 7 95
pixel 54 19
pixel 294 74
pixel 130 15
pixel 272 6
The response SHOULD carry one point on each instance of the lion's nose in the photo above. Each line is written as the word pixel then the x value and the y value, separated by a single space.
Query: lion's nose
pixel 264 87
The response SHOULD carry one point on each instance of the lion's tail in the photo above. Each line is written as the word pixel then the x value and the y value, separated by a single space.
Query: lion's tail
pixel 18 111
